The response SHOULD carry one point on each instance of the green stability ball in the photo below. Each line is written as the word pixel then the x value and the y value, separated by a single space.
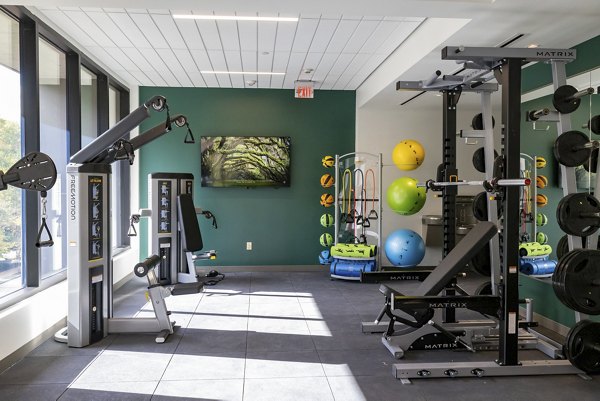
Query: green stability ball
pixel 404 197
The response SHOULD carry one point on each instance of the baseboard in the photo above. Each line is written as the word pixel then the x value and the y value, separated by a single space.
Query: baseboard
pixel 256 269
pixel 123 281
pixel 31 345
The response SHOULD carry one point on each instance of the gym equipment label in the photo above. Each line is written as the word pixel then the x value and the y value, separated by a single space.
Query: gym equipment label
pixel 95 225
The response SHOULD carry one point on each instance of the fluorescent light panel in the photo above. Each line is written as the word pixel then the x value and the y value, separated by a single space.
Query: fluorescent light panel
pixel 243 72
pixel 234 18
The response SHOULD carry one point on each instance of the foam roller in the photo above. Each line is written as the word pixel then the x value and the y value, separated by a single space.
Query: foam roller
pixel 534 249
pixel 538 267
pixel 351 268
pixel 354 250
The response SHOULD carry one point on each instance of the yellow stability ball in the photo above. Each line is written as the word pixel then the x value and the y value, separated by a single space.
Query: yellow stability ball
pixel 408 155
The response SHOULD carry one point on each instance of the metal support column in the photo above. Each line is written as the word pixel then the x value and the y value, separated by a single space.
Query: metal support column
pixel 509 287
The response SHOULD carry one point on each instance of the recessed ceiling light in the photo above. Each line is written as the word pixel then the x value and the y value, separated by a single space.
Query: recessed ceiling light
pixel 533 45
pixel 243 72
pixel 234 18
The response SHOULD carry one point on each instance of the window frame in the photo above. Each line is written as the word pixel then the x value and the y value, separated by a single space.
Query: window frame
pixel 31 29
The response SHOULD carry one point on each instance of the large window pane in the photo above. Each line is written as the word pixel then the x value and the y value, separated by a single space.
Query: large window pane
pixel 10 151
pixel 89 106
pixel 116 183
pixel 53 141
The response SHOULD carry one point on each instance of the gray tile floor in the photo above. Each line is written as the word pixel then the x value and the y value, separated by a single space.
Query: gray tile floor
pixel 260 336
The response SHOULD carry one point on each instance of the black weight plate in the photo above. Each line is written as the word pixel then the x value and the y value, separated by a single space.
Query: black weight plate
pixel 581 347
pixel 498 167
pixel 594 124
pixel 481 262
pixel 479 159
pixel 591 164
pixel 484 288
pixel 559 99
pixel 558 277
pixel 477 122
pixel 569 214
pixel 581 279
pixel 480 206
pixel 562 247
pixel 566 299
pixel 565 152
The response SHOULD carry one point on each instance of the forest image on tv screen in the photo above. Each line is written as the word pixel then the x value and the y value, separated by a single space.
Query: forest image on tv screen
pixel 252 161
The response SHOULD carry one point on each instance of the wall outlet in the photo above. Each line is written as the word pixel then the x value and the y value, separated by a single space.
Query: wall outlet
pixel 248 246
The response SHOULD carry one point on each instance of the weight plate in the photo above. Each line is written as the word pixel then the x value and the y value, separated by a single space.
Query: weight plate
pixel 477 122
pixel 558 277
pixel 566 148
pixel 559 99
pixel 576 214
pixel 591 164
pixel 479 159
pixel 481 262
pixel 484 288
pixel 580 281
pixel 594 124
pixel 480 206
pixel 498 167
pixel 562 248
pixel 582 346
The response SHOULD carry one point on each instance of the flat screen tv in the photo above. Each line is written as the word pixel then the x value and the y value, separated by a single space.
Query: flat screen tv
pixel 245 161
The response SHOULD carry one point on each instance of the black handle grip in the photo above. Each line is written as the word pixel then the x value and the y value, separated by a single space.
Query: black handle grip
pixel 141 269
pixel 44 244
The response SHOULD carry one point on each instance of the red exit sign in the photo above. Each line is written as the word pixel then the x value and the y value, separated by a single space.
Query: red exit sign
pixel 304 89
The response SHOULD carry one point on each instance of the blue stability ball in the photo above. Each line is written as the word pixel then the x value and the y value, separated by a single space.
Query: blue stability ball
pixel 404 248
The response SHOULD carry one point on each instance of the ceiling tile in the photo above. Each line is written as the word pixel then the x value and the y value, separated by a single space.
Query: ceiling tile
pixel 186 60
pixel 169 30
pixel 159 65
pixel 338 67
pixel 131 30
pixel 191 34
pixel 323 35
pixel 266 36
pixel 229 35
pixel 383 31
pixel 217 59
pixel 138 58
pixel 175 67
pixel 156 78
pixel 341 36
pixel 146 25
pixel 265 63
pixel 197 79
pixel 304 34
pixel 285 35
pixel 101 19
pixel 84 22
pixel 353 67
pixel 70 28
pixel 210 34
pixel 249 62
pixel 363 73
pixel 293 69
pixel 397 37
pixel 234 63
pixel 248 31
pixel 323 68
pixel 359 37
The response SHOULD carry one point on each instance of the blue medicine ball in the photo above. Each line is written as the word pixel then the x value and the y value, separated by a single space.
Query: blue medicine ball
pixel 325 257
pixel 404 248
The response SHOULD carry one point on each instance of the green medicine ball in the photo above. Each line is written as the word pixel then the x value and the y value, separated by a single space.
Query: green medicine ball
pixel 541 220
pixel 541 238
pixel 326 220
pixel 326 239
pixel 404 197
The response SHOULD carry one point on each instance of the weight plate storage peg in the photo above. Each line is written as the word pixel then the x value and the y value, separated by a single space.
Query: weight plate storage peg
pixel 582 346
pixel 576 281
pixel 573 148
pixel 578 214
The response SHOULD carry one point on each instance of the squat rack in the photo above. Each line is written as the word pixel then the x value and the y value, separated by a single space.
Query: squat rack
pixel 482 65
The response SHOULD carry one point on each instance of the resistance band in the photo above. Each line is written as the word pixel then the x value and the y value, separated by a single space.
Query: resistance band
pixel 373 213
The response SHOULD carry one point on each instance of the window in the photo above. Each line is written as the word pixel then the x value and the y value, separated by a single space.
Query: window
pixel 53 141
pixel 11 242
pixel 89 106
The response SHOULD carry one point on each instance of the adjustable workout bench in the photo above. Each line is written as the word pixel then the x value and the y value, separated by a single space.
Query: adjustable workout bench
pixel 418 329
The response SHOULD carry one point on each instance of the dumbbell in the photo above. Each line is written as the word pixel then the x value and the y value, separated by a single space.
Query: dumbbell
pixel 566 98
pixel 574 148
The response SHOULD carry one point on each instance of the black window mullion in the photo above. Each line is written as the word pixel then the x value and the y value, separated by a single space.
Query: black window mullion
pixel 73 102
pixel 102 103
pixel 30 129
pixel 125 175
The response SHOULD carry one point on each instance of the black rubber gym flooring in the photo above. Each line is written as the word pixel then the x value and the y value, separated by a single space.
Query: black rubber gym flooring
pixel 261 336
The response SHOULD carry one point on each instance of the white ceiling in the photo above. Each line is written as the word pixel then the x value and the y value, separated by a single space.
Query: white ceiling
pixel 346 47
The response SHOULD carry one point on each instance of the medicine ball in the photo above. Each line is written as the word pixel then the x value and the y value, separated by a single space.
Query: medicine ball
pixel 541 220
pixel 326 220
pixel 541 181
pixel 541 200
pixel 326 239
pixel 326 180
pixel 408 155
pixel 328 161
pixel 540 162
pixel 541 238
pixel 326 200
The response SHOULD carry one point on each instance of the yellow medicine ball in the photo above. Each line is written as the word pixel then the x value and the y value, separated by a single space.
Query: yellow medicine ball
pixel 541 181
pixel 408 155
pixel 326 200
pixel 541 200
pixel 326 180
pixel 540 162
pixel 328 161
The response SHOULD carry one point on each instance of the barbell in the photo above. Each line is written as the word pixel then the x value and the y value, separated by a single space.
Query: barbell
pixel 489 185
pixel 574 148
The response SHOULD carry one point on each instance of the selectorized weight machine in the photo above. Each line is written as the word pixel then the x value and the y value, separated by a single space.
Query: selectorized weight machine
pixel 90 281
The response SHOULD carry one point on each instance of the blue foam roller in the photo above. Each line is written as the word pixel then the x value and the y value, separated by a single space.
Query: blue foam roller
pixel 525 259
pixel 351 268
pixel 538 267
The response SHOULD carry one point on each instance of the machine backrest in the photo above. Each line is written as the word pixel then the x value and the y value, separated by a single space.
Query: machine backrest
pixel 463 252
pixel 191 238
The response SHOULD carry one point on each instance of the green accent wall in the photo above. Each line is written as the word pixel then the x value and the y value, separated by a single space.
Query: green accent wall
pixel 540 142
pixel 282 223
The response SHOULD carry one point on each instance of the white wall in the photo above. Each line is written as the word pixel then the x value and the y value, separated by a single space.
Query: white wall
pixel 378 130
